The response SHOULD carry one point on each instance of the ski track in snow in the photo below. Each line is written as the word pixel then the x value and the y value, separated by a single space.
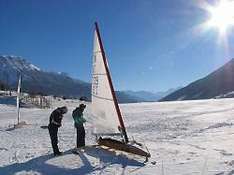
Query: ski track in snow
pixel 184 137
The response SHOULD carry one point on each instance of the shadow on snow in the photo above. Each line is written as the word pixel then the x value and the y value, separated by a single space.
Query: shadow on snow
pixel 105 157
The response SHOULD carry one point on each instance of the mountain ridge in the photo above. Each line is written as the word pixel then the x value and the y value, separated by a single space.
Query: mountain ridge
pixel 218 82
pixel 37 81
pixel 151 96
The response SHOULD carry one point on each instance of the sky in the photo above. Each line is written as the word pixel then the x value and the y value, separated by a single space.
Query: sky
pixel 151 45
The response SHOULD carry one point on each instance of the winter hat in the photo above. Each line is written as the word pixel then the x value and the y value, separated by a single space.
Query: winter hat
pixel 83 98
pixel 82 105
pixel 64 109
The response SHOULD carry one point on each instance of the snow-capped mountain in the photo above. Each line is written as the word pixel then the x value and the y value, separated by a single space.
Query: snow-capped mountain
pixel 17 63
pixel 11 66
pixel 218 84
pixel 36 80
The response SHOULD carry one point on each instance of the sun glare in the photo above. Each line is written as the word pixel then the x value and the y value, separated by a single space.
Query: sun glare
pixel 221 15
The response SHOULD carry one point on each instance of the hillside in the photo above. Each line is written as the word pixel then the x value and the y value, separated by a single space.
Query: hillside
pixel 215 84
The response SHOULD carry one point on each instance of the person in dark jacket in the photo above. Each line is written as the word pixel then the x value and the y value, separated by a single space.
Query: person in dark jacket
pixel 77 115
pixel 56 122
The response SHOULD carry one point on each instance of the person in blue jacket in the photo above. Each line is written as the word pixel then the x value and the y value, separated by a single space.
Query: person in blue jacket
pixel 77 115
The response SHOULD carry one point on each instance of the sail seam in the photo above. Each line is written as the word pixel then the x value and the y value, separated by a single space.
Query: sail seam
pixel 97 52
pixel 99 74
pixel 103 98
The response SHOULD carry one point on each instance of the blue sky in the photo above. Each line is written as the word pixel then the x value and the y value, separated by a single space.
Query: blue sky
pixel 151 44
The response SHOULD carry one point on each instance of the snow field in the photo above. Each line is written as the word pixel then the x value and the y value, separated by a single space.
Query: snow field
pixel 184 137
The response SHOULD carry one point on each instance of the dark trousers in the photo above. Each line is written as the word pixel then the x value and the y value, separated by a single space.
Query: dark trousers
pixel 53 130
pixel 80 136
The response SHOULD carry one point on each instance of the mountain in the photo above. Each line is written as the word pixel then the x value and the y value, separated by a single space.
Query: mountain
pixel 2 86
pixel 37 81
pixel 217 83
pixel 143 95
pixel 124 97
pixel 150 96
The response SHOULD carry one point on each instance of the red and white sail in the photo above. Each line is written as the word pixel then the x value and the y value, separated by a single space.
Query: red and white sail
pixel 103 105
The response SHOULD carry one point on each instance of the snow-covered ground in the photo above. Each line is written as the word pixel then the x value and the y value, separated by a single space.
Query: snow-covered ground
pixel 189 137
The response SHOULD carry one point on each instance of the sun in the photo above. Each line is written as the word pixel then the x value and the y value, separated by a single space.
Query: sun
pixel 221 15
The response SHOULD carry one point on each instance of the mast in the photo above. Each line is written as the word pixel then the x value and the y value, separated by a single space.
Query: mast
pixel 18 100
pixel 111 85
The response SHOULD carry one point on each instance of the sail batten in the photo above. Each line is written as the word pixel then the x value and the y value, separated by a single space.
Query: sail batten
pixel 100 74
pixel 103 98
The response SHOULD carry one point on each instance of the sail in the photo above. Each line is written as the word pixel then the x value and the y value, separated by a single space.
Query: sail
pixel 18 99
pixel 103 106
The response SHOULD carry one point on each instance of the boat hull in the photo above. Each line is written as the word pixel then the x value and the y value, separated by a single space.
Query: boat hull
pixel 118 145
